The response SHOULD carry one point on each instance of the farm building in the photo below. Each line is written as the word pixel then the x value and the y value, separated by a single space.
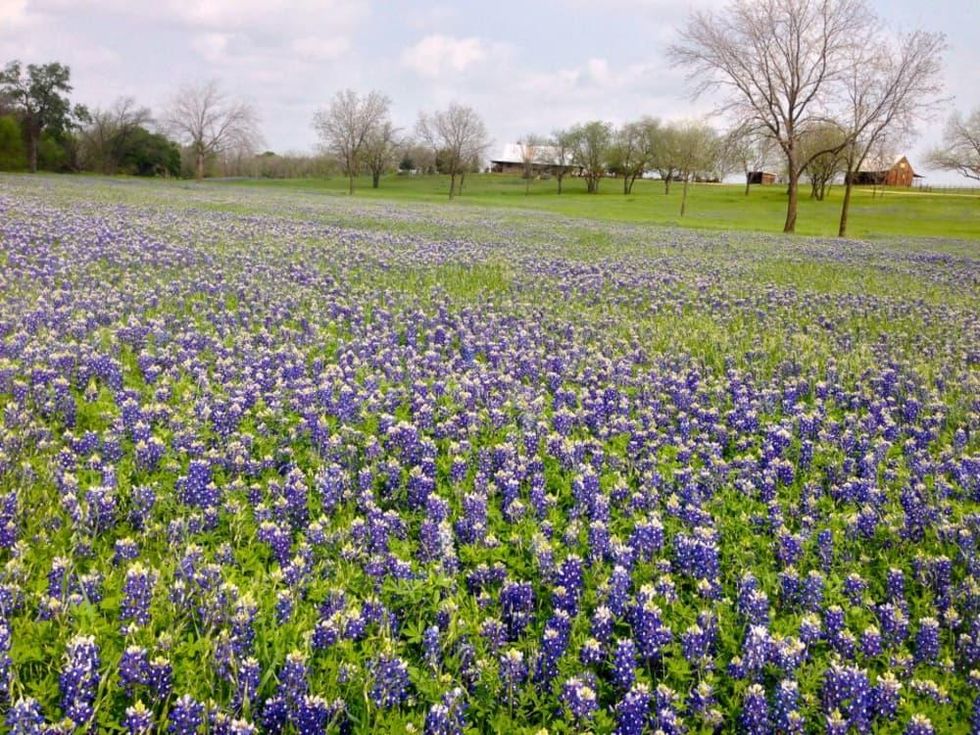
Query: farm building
pixel 765 178
pixel 511 161
pixel 900 173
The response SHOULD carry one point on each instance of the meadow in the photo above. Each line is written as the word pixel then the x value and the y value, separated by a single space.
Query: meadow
pixel 273 460
pixel 875 213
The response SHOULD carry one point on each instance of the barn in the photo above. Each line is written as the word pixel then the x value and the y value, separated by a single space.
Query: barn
pixel 900 173
pixel 511 161
pixel 765 178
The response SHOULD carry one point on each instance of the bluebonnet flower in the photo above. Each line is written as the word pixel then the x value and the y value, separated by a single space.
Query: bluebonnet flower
pixel 919 725
pixel 848 690
pixel 813 591
pixel 754 717
pixel 578 694
pixel 138 719
pixel 448 716
pixel 633 711
pixel 895 585
pixel 293 684
pixel 58 578
pixel 275 715
pixel 624 660
pixel 25 717
pixel 432 647
pixel 554 641
pixel 79 680
pixel 825 548
pixel 871 642
pixel 886 695
pixel 786 716
pixel 222 724
pixel 591 653
pixel 311 715
pixel 602 624
pixel 284 606
pixel 160 677
pixel 247 680
pixel 517 605
pixel 618 591
pixel 134 667
pixel 927 641
pixel 893 623
pixel 513 671
pixel 837 724
pixel 854 587
pixel 649 631
pixel 142 500
pixel 138 594
pixel 390 687
pixel 186 716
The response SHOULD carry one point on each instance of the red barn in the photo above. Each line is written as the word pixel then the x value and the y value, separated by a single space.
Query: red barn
pixel 899 174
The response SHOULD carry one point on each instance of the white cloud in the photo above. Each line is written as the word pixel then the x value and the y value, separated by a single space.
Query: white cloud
pixel 437 55
pixel 312 48
pixel 12 13
pixel 213 47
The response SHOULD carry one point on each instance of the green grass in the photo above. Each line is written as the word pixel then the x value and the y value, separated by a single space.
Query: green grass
pixel 896 213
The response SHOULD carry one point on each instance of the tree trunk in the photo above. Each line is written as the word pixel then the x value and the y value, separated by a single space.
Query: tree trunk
pixel 375 179
pixel 626 184
pixel 452 184
pixel 684 196
pixel 748 183
pixel 842 230
pixel 793 192
pixel 667 185
pixel 559 183
pixel 32 151
pixel 199 164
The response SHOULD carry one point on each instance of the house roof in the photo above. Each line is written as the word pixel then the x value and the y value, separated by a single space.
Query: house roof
pixel 888 164
pixel 546 155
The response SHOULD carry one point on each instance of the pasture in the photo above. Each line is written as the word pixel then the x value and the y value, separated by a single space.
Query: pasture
pixel 875 214
pixel 278 460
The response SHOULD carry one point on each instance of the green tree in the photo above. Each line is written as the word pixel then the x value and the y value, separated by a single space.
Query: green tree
pixel 39 94
pixel 11 144
pixel 590 151
pixel 149 154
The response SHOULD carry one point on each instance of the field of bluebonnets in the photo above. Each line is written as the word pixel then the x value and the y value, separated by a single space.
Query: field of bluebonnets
pixel 288 463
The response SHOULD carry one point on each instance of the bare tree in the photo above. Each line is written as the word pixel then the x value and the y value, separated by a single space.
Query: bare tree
pixel 698 150
pixel 590 150
pixel 346 123
pixel 750 149
pixel 562 144
pixel 892 83
pixel 104 139
pixel 629 152
pixel 531 148
pixel 782 63
pixel 663 152
pixel 458 134
pixel 960 150
pixel 209 123
pixel 381 149
pixel 823 147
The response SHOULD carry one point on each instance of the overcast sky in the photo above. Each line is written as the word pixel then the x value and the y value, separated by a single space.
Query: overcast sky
pixel 526 66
